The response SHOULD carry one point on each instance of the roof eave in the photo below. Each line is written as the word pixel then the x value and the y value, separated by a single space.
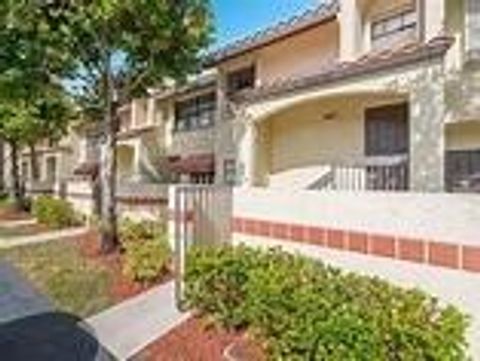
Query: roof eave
pixel 215 59
pixel 428 52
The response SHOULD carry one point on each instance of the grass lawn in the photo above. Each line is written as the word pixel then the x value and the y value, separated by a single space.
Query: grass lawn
pixel 9 232
pixel 74 283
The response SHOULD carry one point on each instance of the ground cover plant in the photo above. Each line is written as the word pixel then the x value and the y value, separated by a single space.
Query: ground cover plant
pixel 54 213
pixel 146 252
pixel 304 310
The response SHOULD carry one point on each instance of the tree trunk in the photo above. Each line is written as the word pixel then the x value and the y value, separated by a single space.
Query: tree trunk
pixel 108 164
pixel 16 189
pixel 35 169
pixel 108 182
pixel 2 168
pixel 97 196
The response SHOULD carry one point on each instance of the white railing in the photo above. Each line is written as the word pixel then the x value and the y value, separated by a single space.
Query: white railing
pixel 372 174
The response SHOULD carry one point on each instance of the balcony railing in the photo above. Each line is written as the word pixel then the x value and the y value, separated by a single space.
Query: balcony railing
pixel 371 174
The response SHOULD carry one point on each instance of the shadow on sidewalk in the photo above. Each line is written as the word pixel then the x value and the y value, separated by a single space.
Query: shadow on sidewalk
pixel 50 337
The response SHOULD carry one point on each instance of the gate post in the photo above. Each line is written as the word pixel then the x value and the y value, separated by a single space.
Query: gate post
pixel 178 236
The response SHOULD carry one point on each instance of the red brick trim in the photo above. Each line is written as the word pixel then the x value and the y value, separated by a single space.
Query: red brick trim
pixel 446 255
pixel 358 242
pixel 471 259
pixel 336 239
pixel 411 250
pixel 125 200
pixel 314 235
pixel 383 246
pixel 455 256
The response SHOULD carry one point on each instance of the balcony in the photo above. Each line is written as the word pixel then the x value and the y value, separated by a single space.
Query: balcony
pixel 371 174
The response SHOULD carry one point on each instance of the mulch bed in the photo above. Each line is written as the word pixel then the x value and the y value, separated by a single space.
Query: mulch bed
pixel 197 340
pixel 22 230
pixel 122 287
pixel 8 213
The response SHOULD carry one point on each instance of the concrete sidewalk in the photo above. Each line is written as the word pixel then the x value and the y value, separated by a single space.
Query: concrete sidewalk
pixel 18 223
pixel 127 328
pixel 42 237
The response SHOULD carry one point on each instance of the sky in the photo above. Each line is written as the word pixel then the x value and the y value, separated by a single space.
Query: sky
pixel 237 18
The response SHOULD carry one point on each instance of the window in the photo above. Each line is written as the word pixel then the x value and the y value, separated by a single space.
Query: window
pixel 462 170
pixel 473 27
pixel 241 79
pixel 229 171
pixel 52 143
pixel 195 113
pixel 393 29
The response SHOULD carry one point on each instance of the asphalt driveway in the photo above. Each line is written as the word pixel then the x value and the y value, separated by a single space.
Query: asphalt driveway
pixel 18 299
pixel 30 328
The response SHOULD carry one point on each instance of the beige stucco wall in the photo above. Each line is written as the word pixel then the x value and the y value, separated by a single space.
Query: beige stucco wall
pixel 125 161
pixel 318 133
pixel 463 136
pixel 198 141
pixel 305 53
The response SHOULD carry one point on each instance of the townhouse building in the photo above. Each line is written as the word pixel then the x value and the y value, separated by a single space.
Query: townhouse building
pixel 358 94
pixel 353 94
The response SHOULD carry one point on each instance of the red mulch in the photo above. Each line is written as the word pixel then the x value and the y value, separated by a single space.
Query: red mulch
pixel 11 214
pixel 196 340
pixel 122 287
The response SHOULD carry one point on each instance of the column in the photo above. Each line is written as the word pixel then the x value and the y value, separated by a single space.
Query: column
pixel 223 132
pixel 151 110
pixel 351 37
pixel 133 113
pixel 137 160
pixel 427 132
pixel 248 154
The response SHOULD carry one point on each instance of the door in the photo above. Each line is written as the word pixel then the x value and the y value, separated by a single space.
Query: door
pixel 386 147
pixel 51 170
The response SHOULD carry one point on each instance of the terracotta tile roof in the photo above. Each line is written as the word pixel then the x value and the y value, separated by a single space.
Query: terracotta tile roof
pixel 197 163
pixel 86 168
pixel 324 12
pixel 370 63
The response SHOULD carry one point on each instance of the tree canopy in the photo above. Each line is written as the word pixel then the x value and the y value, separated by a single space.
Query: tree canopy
pixel 118 49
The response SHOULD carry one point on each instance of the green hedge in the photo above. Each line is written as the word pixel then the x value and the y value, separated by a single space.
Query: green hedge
pixel 305 310
pixel 146 252
pixel 54 213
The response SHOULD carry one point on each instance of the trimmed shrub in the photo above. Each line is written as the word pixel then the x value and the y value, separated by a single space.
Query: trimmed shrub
pixel 54 213
pixel 305 310
pixel 146 252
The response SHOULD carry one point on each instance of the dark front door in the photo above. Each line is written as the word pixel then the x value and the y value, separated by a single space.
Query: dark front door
pixel 386 147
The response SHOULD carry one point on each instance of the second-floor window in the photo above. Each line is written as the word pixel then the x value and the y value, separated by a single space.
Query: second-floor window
pixel 394 29
pixel 241 79
pixel 473 27
pixel 195 113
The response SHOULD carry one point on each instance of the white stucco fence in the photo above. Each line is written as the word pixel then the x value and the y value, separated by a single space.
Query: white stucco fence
pixel 135 201
pixel 440 217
